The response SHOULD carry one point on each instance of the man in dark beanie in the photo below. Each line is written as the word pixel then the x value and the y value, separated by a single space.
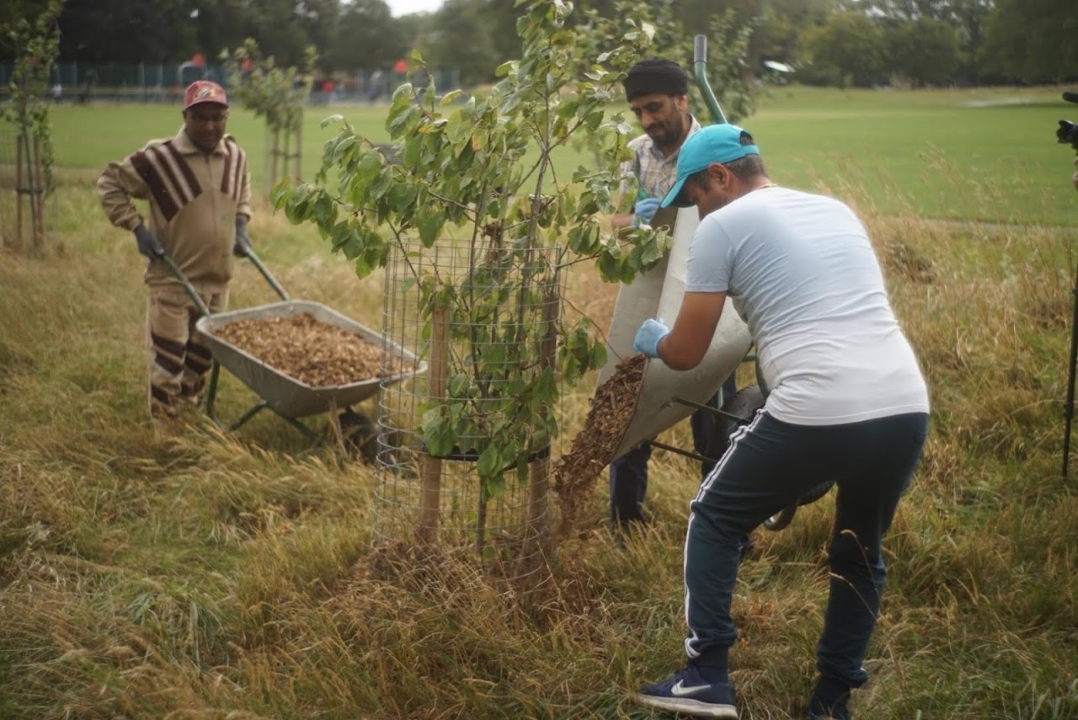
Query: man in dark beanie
pixel 656 89
pixel 657 92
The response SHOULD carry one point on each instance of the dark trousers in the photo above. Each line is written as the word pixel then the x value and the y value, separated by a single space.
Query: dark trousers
pixel 629 473
pixel 768 465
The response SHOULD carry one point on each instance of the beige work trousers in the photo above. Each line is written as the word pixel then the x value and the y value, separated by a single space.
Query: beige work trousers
pixel 177 354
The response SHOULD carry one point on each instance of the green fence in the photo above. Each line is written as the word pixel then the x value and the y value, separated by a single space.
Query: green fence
pixel 80 82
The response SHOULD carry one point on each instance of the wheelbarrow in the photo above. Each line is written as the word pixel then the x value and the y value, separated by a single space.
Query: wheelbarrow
pixel 289 398
pixel 667 396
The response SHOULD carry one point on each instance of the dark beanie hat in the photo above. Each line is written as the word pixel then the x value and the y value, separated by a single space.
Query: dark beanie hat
pixel 656 75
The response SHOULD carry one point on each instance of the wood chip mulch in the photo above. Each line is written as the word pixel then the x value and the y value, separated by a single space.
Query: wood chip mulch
pixel 307 349
pixel 612 410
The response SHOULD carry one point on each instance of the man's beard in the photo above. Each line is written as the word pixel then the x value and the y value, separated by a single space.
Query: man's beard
pixel 669 135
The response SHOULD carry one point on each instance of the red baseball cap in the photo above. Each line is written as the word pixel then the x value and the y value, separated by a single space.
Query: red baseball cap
pixel 204 91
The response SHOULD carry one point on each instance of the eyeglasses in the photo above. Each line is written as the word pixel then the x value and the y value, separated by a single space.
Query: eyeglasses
pixel 215 119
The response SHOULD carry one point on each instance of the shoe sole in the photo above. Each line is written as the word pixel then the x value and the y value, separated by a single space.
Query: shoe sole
pixel 687 706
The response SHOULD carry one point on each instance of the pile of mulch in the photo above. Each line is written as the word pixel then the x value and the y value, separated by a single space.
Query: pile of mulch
pixel 307 349
pixel 612 410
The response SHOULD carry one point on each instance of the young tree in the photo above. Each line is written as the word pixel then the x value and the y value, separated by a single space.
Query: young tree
pixel 477 172
pixel 35 45
pixel 277 94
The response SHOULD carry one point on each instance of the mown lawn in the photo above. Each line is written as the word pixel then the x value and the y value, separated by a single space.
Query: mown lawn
pixel 987 155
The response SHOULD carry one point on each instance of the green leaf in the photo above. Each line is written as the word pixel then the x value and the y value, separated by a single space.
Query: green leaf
pixel 451 96
pixel 494 487
pixel 326 122
pixel 281 193
pixel 402 122
pixel 490 462
pixel 297 207
pixel 325 210
pixel 437 435
pixel 430 224
pixel 369 167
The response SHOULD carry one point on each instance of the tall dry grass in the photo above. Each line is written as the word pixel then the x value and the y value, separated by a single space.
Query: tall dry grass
pixel 232 575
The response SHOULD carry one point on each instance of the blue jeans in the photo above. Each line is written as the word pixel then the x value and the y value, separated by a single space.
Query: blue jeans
pixel 629 473
pixel 768 465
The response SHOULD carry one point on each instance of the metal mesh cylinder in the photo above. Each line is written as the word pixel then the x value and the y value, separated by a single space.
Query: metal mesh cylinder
pixel 482 318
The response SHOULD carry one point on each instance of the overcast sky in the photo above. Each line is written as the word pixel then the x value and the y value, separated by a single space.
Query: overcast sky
pixel 405 7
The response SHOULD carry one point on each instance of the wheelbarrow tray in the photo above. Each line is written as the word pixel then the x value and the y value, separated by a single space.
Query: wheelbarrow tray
pixel 284 394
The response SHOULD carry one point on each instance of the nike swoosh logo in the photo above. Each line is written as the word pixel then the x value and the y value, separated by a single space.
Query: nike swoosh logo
pixel 680 689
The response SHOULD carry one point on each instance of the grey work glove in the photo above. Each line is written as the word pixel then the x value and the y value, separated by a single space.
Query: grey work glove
pixel 242 248
pixel 148 244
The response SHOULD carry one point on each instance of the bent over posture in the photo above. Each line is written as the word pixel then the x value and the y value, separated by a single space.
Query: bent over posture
pixel 199 194
pixel 848 403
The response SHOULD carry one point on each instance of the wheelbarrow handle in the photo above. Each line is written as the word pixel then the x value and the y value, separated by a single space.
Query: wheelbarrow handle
pixel 278 288
pixel 700 68
pixel 187 286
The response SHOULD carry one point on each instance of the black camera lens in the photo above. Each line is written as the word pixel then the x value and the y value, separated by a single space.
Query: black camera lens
pixel 1068 133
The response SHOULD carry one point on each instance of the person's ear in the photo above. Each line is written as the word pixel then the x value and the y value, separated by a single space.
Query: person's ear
pixel 719 172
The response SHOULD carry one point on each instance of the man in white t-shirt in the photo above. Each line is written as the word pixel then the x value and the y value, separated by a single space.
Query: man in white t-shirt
pixel 847 403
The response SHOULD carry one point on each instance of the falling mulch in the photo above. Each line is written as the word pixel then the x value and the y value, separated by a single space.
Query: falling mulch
pixel 612 410
pixel 306 349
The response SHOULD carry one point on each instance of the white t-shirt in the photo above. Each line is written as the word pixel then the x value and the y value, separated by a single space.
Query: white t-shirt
pixel 802 273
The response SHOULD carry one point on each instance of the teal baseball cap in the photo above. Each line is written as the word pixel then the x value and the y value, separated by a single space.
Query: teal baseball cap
pixel 712 144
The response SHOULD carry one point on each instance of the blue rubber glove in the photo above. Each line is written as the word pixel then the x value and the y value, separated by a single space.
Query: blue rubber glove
pixel 648 337
pixel 644 210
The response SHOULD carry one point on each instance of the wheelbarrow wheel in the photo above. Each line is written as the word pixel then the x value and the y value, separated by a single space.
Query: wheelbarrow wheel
pixel 360 434
pixel 782 520
pixel 744 404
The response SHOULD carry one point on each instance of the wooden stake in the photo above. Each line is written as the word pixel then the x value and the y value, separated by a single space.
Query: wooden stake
pixel 37 198
pixel 274 144
pixel 284 152
pixel 20 147
pixel 539 472
pixel 431 467
pixel 299 150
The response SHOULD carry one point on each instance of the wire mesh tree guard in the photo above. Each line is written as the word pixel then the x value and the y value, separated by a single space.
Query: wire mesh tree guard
pixel 476 227
pixel 468 321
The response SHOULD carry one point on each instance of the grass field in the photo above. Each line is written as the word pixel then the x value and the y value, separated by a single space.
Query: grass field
pixel 958 154
pixel 223 575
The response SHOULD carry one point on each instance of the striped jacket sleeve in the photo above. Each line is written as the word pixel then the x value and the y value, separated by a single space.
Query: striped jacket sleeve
pixel 236 181
pixel 116 187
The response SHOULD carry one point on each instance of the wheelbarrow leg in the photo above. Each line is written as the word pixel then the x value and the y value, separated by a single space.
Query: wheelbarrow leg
pixel 211 389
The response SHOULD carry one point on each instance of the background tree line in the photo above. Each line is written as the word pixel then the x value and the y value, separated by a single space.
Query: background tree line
pixel 832 42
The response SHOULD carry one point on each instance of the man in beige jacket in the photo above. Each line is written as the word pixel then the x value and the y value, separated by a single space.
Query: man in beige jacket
pixel 199 193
